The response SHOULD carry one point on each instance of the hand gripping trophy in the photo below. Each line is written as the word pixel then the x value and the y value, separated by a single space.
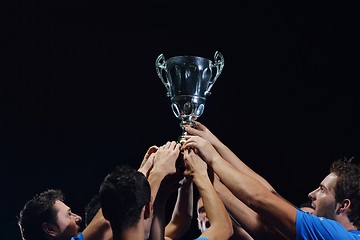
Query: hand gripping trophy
pixel 188 80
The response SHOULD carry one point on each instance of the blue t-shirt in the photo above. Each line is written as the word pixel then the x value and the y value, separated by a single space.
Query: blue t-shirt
pixel 310 227
pixel 80 236
pixel 202 238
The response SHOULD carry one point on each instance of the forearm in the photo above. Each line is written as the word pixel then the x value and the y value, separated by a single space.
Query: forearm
pixel 237 209
pixel 250 221
pixel 244 187
pixel 250 191
pixel 155 178
pixel 97 227
pixel 158 221
pixel 181 217
pixel 215 209
pixel 236 162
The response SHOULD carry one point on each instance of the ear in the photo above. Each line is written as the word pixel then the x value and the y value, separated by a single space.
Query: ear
pixel 148 210
pixel 50 229
pixel 344 206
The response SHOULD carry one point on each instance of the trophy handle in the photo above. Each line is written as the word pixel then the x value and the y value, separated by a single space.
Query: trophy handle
pixel 160 65
pixel 219 64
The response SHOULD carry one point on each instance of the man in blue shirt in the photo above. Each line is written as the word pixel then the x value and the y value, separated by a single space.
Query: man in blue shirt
pixel 336 201
pixel 46 216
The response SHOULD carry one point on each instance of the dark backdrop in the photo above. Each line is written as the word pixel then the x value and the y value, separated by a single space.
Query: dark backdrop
pixel 80 94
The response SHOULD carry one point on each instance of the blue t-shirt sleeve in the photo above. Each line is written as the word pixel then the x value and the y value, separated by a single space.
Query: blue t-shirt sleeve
pixel 80 236
pixel 201 238
pixel 312 227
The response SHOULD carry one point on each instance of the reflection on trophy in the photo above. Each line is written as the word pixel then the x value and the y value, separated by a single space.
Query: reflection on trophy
pixel 188 80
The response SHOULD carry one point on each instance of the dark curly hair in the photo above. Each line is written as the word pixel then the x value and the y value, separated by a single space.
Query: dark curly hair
pixel 36 211
pixel 123 194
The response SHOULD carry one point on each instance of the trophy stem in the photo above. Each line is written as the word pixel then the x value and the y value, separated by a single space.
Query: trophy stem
pixel 182 138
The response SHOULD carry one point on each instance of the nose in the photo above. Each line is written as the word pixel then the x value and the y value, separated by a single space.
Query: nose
pixel 312 195
pixel 77 218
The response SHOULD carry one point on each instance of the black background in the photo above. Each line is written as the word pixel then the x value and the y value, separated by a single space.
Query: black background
pixel 80 94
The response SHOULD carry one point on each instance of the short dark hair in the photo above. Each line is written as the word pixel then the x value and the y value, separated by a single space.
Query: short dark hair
pixel 348 186
pixel 92 208
pixel 36 211
pixel 123 194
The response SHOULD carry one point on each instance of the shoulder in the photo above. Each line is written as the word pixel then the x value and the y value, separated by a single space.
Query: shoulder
pixel 308 226
pixel 80 236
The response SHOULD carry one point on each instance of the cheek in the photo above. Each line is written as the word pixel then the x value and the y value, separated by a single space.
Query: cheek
pixel 63 223
pixel 326 203
pixel 67 225
pixel 71 229
pixel 325 199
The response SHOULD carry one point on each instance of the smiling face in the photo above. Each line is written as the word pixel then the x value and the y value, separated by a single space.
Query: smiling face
pixel 323 198
pixel 67 222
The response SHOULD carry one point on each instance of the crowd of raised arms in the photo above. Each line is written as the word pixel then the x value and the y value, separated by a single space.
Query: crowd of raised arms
pixel 233 202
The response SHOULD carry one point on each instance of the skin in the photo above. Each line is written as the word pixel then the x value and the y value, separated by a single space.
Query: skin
pixel 323 198
pixel 67 223
pixel 158 163
pixel 248 189
pixel 202 217
pixel 203 220
pixel 250 220
pixel 274 209
pixel 196 168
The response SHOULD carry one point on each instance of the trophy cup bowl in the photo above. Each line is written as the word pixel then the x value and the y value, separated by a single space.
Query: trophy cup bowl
pixel 188 81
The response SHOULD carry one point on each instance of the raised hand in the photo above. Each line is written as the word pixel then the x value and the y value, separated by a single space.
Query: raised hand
pixel 148 160
pixel 202 131
pixel 202 147
pixel 165 157
pixel 194 165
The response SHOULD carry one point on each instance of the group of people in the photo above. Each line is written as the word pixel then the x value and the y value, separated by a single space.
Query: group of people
pixel 234 201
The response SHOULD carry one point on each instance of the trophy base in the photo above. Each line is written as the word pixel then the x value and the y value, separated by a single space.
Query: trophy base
pixel 181 140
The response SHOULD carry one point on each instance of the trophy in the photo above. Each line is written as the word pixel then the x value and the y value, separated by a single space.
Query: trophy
pixel 188 81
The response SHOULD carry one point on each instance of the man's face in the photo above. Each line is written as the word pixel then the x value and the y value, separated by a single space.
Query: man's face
pixel 67 222
pixel 323 198
pixel 203 221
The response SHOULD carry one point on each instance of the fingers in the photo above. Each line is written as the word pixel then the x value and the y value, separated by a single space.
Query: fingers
pixel 189 143
pixel 148 153
pixel 147 166
pixel 170 145
pixel 150 150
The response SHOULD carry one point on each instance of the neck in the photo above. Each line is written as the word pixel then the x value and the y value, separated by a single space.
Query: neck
pixel 133 233
pixel 344 220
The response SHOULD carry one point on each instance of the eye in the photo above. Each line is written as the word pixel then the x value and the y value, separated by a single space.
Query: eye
pixel 201 210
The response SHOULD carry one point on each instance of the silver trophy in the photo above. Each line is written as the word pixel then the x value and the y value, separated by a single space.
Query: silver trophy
pixel 188 81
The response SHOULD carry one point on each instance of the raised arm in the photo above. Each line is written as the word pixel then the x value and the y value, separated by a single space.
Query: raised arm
pixel 164 164
pixel 97 227
pixel 244 217
pixel 221 225
pixel 275 210
pixel 161 173
pixel 202 131
pixel 183 211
